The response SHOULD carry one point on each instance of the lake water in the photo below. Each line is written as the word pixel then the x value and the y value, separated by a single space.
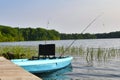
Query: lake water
pixel 93 66
pixel 94 43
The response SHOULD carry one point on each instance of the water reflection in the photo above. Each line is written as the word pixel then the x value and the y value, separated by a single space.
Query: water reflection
pixel 97 71
pixel 56 75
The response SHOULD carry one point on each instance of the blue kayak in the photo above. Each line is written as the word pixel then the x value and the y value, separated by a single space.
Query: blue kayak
pixel 43 65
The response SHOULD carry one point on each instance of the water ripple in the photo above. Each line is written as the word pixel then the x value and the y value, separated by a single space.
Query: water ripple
pixel 95 75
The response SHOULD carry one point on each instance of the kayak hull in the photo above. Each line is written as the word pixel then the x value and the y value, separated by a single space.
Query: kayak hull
pixel 43 65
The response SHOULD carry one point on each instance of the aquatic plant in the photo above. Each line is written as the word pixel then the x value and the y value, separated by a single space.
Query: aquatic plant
pixel 90 54
pixel 18 51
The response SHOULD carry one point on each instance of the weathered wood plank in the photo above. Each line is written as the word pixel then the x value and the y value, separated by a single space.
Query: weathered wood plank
pixel 10 71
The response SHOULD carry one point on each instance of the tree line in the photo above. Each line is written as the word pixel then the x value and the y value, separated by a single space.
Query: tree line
pixel 91 36
pixel 8 33
pixel 115 34
pixel 77 36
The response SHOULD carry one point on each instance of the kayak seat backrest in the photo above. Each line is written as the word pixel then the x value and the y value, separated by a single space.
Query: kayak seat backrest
pixel 46 50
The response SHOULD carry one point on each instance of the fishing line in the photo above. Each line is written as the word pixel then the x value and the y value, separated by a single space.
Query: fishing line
pixel 81 33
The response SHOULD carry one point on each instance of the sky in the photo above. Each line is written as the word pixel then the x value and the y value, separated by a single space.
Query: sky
pixel 65 16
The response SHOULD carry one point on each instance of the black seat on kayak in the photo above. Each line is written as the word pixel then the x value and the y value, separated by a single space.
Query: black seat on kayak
pixel 46 50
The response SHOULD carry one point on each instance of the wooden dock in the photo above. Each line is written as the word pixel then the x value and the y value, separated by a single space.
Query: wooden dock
pixel 10 71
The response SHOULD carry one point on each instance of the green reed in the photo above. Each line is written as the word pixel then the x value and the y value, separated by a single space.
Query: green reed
pixel 18 51
pixel 90 54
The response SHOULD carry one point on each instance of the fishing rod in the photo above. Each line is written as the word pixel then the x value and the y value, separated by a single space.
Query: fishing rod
pixel 46 33
pixel 81 33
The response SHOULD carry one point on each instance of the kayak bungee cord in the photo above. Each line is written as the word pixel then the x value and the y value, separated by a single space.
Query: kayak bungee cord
pixel 81 33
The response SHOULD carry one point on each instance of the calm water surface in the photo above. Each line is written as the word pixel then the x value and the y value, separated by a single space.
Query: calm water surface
pixel 81 68
pixel 94 43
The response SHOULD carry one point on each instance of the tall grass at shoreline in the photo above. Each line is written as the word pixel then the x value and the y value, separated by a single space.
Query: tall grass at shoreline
pixel 90 54
pixel 18 51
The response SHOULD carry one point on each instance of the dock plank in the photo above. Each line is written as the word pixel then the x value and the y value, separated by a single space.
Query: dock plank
pixel 10 71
